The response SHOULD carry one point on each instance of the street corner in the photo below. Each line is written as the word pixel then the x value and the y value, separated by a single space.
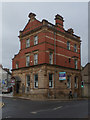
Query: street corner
pixel 1 104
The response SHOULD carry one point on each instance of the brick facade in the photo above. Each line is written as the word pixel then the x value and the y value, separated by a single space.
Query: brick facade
pixel 51 39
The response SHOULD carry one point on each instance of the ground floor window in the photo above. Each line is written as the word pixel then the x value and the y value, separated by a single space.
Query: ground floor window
pixel 68 81
pixel 76 82
pixel 36 80
pixel 50 80
pixel 27 82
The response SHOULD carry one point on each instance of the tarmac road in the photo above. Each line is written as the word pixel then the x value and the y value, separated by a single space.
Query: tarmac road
pixel 21 108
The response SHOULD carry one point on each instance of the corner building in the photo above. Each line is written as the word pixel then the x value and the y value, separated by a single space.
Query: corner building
pixel 46 52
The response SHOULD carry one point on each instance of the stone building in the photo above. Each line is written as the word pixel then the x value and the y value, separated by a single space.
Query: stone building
pixel 48 64
pixel 86 80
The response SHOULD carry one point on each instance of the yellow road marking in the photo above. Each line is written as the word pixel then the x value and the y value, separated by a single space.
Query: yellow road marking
pixel 1 105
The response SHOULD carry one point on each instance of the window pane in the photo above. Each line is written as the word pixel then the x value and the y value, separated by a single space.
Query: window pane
pixel 16 65
pixel 28 80
pixel 68 45
pixel 50 76
pixel 35 40
pixel 51 58
pixel 75 48
pixel 28 43
pixel 50 80
pixel 27 60
pixel 76 82
pixel 50 83
pixel 35 59
pixel 68 82
pixel 36 80
pixel 75 64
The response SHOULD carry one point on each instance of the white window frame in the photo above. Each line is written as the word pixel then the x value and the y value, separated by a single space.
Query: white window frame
pixel 35 40
pixel 68 45
pixel 28 60
pixel 27 43
pixel 51 81
pixel 75 48
pixel 35 59
pixel 68 81
pixel 35 81
pixel 50 58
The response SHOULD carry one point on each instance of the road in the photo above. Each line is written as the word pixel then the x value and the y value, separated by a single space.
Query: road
pixel 21 108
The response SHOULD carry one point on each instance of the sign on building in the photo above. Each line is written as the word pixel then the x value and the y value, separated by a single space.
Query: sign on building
pixel 12 82
pixel 62 75
pixel 3 81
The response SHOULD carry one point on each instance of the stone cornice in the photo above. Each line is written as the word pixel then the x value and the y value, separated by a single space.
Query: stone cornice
pixel 57 66
pixel 53 28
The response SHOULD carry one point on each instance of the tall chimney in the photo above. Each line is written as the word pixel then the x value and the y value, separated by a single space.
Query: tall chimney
pixel 59 21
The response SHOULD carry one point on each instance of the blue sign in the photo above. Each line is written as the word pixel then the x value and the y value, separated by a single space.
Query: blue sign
pixel 3 81
pixel 62 75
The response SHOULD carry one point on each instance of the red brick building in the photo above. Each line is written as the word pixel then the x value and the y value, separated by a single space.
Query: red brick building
pixel 47 51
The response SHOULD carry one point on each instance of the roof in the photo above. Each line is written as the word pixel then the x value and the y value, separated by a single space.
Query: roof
pixel 5 69
pixel 34 25
pixel 88 64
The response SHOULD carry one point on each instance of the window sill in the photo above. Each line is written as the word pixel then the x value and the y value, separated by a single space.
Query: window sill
pixel 35 44
pixel 35 88
pixel 50 87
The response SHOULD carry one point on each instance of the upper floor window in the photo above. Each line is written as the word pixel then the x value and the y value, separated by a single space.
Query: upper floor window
pixel 50 80
pixel 51 58
pixel 75 63
pixel 36 80
pixel 35 59
pixel 75 48
pixel 68 45
pixel 27 43
pixel 17 65
pixel 76 82
pixel 27 60
pixel 35 40
pixel 68 82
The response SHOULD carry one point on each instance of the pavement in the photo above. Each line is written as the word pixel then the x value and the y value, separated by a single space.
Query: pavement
pixel 7 95
pixel 27 98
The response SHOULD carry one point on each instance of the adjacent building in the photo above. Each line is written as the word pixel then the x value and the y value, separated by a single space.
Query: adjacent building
pixel 48 64
pixel 5 77
pixel 86 80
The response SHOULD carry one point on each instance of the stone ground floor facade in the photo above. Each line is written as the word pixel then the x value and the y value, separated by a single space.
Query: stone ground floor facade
pixel 42 81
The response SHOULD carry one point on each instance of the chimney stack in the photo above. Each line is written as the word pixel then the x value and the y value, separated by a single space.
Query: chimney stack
pixel 59 21
pixel 70 30
pixel 31 16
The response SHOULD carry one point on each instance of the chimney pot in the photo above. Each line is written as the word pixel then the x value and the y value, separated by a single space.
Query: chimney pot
pixel 70 30
pixel 59 17
pixel 31 15
pixel 45 22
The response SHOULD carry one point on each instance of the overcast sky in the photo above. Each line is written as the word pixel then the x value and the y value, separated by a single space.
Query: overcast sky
pixel 15 17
